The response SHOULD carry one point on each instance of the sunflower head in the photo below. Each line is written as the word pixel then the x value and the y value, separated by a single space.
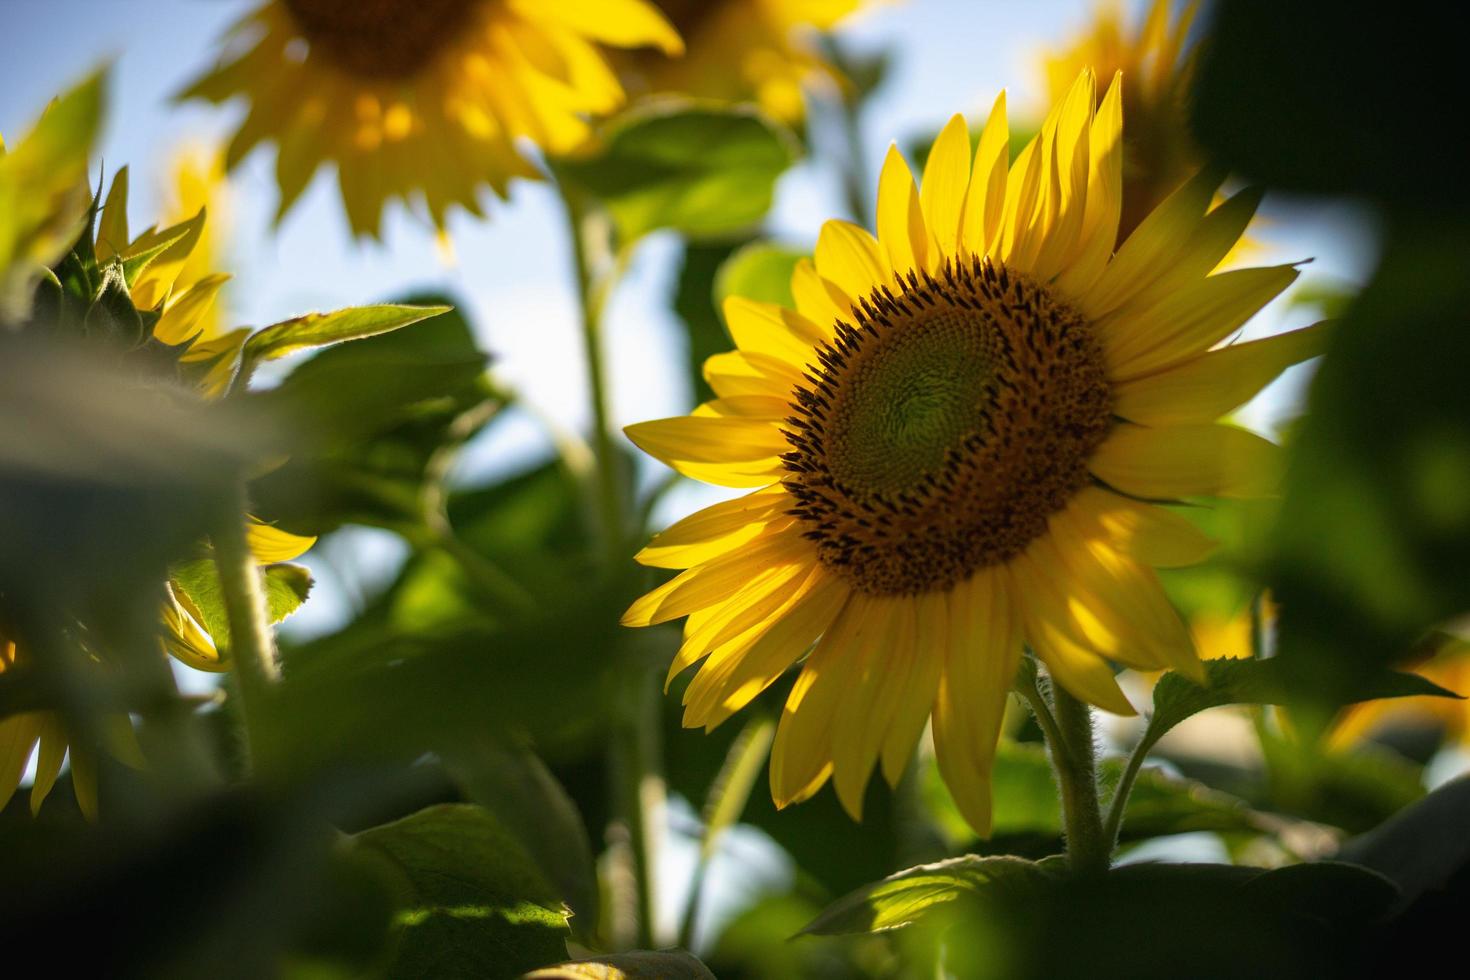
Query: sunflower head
pixel 426 102
pixel 957 443
pixel 742 51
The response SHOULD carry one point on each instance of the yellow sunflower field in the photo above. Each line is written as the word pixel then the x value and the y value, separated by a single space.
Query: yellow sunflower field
pixel 657 489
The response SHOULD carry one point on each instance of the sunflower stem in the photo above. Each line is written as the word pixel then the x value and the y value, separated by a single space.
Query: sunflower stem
pixel 252 649
pixel 640 797
pixel 1113 825
pixel 593 292
pixel 1088 849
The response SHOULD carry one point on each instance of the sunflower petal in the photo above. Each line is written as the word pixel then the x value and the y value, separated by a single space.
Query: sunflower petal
pixel 946 179
pixel 902 232
pixel 851 258
pixel 1181 461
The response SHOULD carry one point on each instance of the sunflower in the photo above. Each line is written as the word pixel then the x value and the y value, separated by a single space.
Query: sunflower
pixel 178 294
pixel 742 51
pixel 1158 153
pixel 956 443
pixel 425 98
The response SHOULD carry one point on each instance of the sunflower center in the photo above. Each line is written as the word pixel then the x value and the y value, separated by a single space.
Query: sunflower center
pixel 943 427
pixel 381 39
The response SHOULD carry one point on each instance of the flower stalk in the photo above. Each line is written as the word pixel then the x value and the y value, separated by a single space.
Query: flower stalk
pixel 1066 725
pixel 252 648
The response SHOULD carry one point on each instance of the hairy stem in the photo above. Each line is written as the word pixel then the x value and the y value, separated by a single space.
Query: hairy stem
pixel 252 648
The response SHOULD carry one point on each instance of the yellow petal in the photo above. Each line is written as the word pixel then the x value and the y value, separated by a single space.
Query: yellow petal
pixel 181 317
pixel 622 23
pixel 715 523
pixel 1146 532
pixel 270 544
pixel 1152 247
pixel 853 756
pixel 915 682
pixel 18 734
pixel 154 284
pixel 52 734
pixel 735 373
pixel 715 581
pixel 985 201
pixel 723 687
pixel 801 756
pixel 1207 387
pixel 819 300
pixel 756 603
pixel 1048 630
pixel 1188 322
pixel 901 229
pixel 850 257
pixel 699 439
pixel 982 652
pixel 765 328
pixel 946 179
pixel 1182 461
pixel 1066 186
pixel 1104 195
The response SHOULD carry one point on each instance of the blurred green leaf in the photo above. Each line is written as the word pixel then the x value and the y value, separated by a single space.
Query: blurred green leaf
pixel 902 898
pixel 512 783
pixel 761 271
pixel 1261 109
pixel 1355 790
pixel 472 902
pixel 703 170
pixel 43 191
pixel 377 423
pixel 672 964
pixel 1374 532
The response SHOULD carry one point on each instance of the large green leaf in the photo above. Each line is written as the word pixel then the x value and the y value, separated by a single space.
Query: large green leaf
pixel 514 785
pixel 703 170
pixel 472 902
pixel 902 898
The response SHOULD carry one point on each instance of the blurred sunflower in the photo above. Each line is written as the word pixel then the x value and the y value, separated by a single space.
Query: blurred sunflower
pixel 742 51
pixel 958 436
pixel 1158 151
pixel 175 290
pixel 425 98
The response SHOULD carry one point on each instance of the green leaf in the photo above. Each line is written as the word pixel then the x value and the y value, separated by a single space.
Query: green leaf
pixel 511 782
pixel 1422 848
pixel 1260 108
pixel 44 197
pixel 704 170
pixel 1176 697
pixel 377 424
pixel 285 585
pixel 666 964
pixel 903 898
pixel 324 329
pixel 760 271
pixel 472 903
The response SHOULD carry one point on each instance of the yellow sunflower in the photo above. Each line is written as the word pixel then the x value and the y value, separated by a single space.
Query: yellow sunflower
pixel 957 438
pixel 742 51
pixel 181 293
pixel 1158 153
pixel 425 98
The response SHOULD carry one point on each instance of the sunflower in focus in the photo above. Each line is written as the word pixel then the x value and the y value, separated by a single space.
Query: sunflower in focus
pixel 177 295
pixel 422 100
pixel 742 51
pixel 955 444
pixel 1158 152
